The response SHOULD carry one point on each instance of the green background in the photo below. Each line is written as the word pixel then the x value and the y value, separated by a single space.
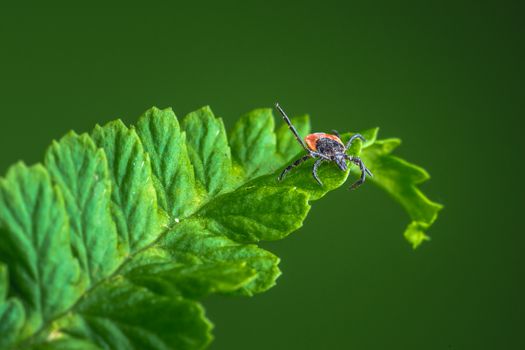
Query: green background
pixel 446 77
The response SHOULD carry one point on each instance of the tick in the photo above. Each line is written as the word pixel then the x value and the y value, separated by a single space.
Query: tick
pixel 325 148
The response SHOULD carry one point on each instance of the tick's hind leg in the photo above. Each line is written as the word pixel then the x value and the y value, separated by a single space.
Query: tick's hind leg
pixel 364 171
pixel 293 165
pixel 314 171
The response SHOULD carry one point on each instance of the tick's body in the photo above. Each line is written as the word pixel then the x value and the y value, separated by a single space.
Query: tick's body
pixel 325 147
pixel 326 144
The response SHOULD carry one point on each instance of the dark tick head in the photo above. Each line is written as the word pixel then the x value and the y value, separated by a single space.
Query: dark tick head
pixel 341 161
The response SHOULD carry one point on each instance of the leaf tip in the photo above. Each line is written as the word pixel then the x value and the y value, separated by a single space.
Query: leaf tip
pixel 206 109
pixel 415 234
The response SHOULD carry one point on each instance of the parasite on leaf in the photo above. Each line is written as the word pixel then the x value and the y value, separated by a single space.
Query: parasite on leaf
pixel 325 147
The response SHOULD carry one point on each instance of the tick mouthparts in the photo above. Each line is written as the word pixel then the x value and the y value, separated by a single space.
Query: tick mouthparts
pixel 341 163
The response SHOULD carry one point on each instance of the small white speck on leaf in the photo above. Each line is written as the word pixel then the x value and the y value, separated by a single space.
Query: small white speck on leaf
pixel 55 335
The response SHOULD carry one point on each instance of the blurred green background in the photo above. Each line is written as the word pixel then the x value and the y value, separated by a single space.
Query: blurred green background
pixel 447 77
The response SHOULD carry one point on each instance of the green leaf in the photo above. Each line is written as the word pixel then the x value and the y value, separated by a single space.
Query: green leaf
pixel 173 175
pixel 197 242
pixel 400 179
pixel 60 341
pixel 255 212
pixel 253 143
pixel 209 151
pixel 193 280
pixel 113 243
pixel 35 245
pixel 134 198
pixel 81 173
pixel 11 312
pixel 121 315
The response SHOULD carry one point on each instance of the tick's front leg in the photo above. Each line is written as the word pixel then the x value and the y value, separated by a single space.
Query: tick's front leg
pixel 364 171
pixel 314 171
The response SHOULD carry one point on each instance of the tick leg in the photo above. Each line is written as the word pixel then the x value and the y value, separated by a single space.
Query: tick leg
pixel 364 171
pixel 319 155
pixel 291 127
pixel 293 165
pixel 356 136
pixel 336 133
pixel 314 171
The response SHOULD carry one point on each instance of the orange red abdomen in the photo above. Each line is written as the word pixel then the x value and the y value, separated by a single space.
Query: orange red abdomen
pixel 311 140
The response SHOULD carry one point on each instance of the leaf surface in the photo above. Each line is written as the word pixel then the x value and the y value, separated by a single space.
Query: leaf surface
pixel 173 174
pixel 116 239
pixel 209 151
pixel 134 199
pixel 253 143
pixel 399 178
pixel 88 202
pixel 35 246
pixel 11 311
